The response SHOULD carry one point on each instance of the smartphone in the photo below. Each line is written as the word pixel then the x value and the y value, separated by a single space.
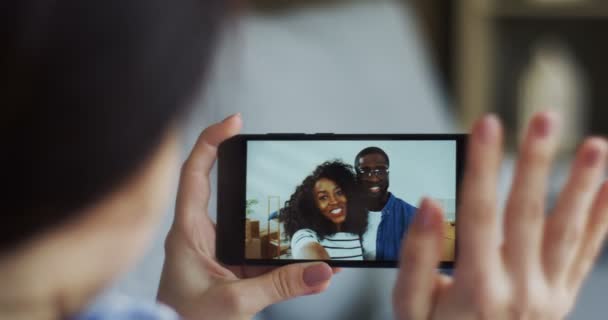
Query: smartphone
pixel 347 199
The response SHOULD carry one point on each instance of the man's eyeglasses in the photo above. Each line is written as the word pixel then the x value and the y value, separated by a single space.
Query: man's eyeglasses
pixel 368 172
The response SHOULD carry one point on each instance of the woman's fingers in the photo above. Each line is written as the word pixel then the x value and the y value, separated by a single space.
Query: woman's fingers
pixel 191 221
pixel 194 188
pixel 478 234
pixel 593 241
pixel 415 287
pixel 525 210
pixel 566 227
pixel 544 259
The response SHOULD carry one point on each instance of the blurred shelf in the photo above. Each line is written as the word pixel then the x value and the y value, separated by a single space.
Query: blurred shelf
pixel 583 10
pixel 493 41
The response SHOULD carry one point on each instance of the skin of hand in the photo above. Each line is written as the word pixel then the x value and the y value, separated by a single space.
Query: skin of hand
pixel 529 267
pixel 314 251
pixel 193 282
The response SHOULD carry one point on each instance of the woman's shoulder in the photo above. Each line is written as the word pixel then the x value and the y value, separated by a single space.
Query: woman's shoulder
pixel 120 307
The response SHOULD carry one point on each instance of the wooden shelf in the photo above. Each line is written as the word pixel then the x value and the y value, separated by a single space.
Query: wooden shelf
pixel 584 10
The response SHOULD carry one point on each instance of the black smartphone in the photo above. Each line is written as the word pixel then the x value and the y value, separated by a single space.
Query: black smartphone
pixel 347 199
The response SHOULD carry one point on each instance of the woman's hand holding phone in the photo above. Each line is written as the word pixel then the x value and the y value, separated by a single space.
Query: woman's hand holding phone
pixel 535 273
pixel 532 267
pixel 193 282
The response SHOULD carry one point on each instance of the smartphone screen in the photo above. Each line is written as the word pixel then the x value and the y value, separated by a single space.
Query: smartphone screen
pixel 345 199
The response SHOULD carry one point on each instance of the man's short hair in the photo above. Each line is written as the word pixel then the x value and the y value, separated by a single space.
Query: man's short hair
pixel 370 150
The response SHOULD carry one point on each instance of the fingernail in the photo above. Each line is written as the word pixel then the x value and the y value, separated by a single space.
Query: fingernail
pixel 236 115
pixel 316 274
pixel 487 131
pixel 594 155
pixel 543 125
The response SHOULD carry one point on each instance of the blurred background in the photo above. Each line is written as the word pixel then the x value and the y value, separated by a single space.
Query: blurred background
pixel 418 66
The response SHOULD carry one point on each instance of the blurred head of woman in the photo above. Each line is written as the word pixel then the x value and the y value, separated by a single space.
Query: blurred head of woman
pixel 91 93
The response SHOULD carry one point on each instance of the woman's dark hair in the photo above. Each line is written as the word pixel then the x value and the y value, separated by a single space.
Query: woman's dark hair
pixel 301 211
pixel 88 89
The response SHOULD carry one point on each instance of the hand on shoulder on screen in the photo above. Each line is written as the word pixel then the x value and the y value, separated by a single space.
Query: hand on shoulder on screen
pixel 305 245
pixel 338 246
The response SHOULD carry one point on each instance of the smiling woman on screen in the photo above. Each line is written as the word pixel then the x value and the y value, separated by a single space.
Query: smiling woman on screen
pixel 325 217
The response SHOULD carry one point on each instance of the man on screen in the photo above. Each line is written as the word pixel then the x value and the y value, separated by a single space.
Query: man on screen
pixel 389 217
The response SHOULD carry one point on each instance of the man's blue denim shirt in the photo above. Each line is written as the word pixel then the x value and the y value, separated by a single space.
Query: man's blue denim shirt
pixel 397 215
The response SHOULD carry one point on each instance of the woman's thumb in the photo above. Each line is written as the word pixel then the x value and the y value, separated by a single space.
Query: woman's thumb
pixel 282 284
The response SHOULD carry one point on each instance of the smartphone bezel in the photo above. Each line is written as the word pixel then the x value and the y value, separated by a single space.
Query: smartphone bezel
pixel 232 157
